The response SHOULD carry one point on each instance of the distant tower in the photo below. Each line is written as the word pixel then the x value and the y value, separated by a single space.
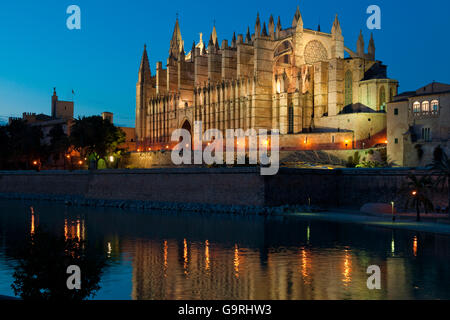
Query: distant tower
pixel 108 116
pixel 54 103
pixel 61 109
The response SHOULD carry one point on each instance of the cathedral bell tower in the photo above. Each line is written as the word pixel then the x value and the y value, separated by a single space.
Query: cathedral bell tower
pixel 143 90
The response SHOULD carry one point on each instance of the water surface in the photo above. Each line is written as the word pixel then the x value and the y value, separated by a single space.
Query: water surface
pixel 160 255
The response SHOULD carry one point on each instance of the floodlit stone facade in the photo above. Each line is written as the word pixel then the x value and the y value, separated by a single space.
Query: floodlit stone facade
pixel 293 79
pixel 417 123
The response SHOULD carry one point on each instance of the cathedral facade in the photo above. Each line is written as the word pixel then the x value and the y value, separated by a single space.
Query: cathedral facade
pixel 294 79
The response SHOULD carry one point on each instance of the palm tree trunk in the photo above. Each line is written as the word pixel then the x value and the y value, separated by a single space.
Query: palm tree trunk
pixel 418 211
pixel 448 192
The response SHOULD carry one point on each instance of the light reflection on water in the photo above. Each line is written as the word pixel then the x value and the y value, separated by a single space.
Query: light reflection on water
pixel 191 256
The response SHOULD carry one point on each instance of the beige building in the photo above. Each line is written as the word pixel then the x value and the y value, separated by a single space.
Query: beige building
pixel 62 114
pixel 417 123
pixel 294 79
pixel 130 133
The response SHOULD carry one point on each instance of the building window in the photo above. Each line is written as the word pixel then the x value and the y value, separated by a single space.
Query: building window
pixel 391 94
pixel 396 111
pixel 426 134
pixel 291 119
pixel 396 140
pixel 348 88
pixel 435 106
pixel 425 107
pixel 382 106
pixel 416 108
pixel 332 139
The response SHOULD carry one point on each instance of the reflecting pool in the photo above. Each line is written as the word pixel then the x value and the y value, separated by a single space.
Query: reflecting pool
pixel 160 255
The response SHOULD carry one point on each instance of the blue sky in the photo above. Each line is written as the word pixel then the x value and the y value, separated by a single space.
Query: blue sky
pixel 100 61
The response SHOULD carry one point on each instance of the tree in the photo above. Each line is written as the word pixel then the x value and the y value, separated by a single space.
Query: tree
pixel 441 168
pixel 354 160
pixel 4 146
pixel 417 194
pixel 41 272
pixel 22 144
pixel 95 136
pixel 59 142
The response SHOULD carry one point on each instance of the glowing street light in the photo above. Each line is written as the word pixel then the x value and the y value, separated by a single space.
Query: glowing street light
pixel 111 159
pixel 393 211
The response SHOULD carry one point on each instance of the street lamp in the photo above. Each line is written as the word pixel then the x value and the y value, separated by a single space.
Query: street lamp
pixel 393 211
pixel 111 159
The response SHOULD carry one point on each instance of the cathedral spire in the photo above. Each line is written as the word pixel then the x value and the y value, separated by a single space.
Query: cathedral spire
pixel 144 69
pixel 271 27
pixel 360 45
pixel 336 29
pixel 278 30
pixel 371 49
pixel 257 26
pixel 214 35
pixel 248 38
pixel 233 42
pixel 297 19
pixel 176 42
pixel 264 31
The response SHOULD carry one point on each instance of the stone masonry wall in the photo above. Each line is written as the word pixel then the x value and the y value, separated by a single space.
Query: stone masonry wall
pixel 237 186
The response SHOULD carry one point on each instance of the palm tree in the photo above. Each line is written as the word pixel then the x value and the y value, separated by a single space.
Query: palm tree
pixel 441 168
pixel 417 194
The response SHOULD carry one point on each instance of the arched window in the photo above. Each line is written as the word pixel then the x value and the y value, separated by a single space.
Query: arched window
pixel 348 88
pixel 425 107
pixel 291 119
pixel 391 94
pixel 435 106
pixel 382 106
pixel 416 108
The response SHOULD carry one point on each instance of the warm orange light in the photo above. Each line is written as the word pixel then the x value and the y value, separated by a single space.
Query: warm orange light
pixel 386 142
pixel 35 163
pixel 166 249
pixel 207 257
pixel 80 162
pixel 167 147
pixel 236 260
pixel 149 149
pixel 68 156
pixel 346 141
pixel 187 145
pixel 185 256
pixel 138 150
pixel 414 193
pixel 415 246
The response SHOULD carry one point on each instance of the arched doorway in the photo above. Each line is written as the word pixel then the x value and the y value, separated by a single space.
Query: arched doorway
pixel 187 126
pixel 291 119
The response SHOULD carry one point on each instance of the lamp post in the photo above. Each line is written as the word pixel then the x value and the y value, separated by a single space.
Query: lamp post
pixel 393 211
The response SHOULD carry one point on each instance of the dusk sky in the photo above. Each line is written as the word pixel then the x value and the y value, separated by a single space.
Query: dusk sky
pixel 100 62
